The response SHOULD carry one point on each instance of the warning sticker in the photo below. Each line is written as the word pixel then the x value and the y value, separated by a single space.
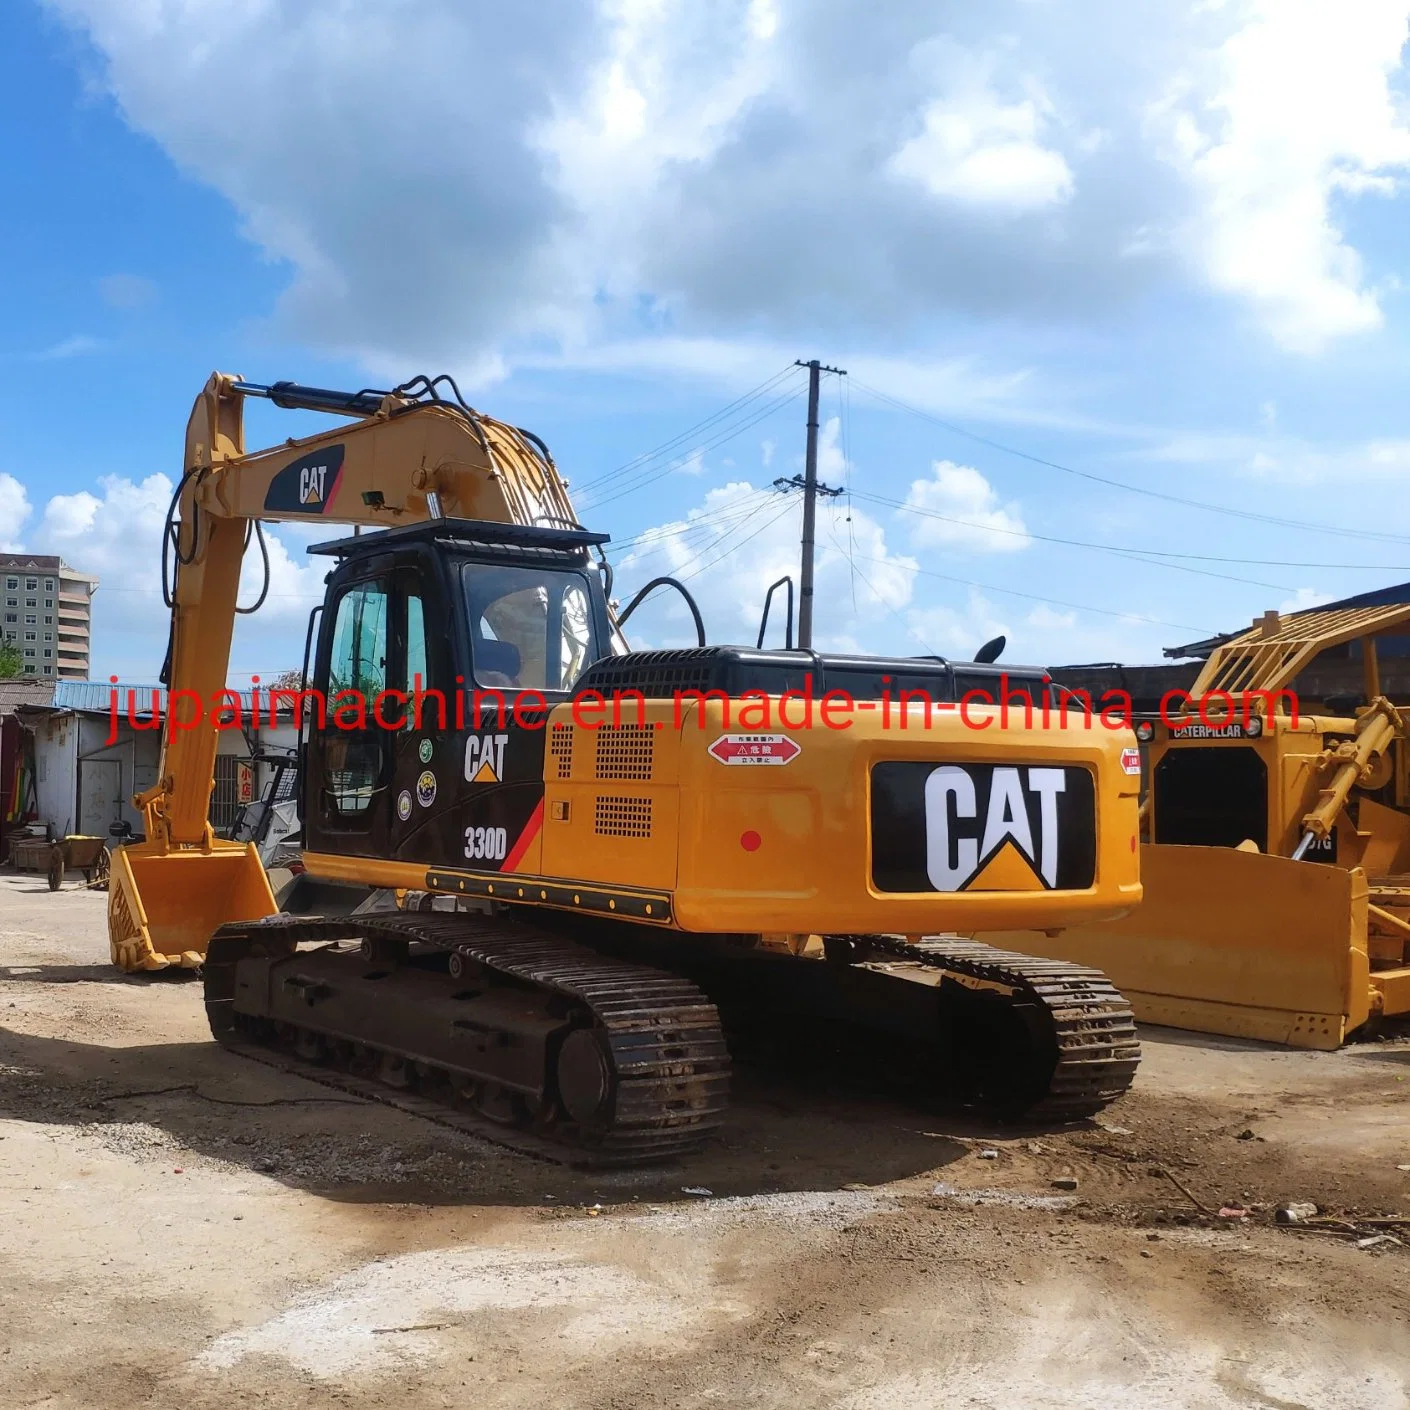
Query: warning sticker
pixel 1131 760
pixel 755 749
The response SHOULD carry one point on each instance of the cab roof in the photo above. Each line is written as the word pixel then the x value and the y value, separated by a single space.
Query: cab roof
pixel 467 532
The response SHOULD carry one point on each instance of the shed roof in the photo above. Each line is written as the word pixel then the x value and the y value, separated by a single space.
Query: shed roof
pixel 1377 597
pixel 96 698
pixel 14 693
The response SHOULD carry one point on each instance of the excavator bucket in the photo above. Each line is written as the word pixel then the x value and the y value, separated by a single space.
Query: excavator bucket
pixel 1235 942
pixel 163 907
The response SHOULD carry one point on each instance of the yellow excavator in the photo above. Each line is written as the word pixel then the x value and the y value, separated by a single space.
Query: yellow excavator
pixel 581 835
pixel 1277 861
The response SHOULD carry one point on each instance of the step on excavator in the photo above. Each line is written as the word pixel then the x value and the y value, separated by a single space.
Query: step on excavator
pixel 1276 865
pixel 574 831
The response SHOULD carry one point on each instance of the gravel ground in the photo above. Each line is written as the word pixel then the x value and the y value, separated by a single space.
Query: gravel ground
pixel 184 1228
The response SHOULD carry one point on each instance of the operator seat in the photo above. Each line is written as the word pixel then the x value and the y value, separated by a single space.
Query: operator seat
pixel 497 663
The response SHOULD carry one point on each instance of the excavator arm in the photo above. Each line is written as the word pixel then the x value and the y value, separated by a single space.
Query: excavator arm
pixel 411 454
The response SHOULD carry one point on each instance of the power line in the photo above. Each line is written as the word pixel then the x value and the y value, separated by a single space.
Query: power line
pixel 894 611
pixel 767 524
pixel 650 475
pixel 738 511
pixel 1052 601
pixel 684 436
pixel 811 489
pixel 724 529
pixel 844 421
pixel 1153 552
pixel 1125 485
pixel 1133 555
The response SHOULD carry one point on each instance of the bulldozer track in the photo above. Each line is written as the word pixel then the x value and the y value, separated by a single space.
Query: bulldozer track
pixel 1092 1025
pixel 669 1062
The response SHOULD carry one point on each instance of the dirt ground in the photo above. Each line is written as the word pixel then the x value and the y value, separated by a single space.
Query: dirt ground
pixel 185 1228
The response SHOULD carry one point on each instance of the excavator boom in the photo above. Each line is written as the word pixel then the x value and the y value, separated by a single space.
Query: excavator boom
pixel 413 454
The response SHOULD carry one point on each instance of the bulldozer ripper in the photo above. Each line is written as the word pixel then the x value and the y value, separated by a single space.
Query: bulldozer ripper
pixel 464 707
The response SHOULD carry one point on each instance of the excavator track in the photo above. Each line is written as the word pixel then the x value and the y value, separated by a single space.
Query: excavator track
pixel 1085 1052
pixel 485 1025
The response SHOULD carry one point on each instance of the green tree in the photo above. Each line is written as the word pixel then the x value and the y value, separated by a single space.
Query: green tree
pixel 11 661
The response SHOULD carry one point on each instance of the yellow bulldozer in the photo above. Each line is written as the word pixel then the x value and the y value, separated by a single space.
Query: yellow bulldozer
pixel 583 828
pixel 1276 859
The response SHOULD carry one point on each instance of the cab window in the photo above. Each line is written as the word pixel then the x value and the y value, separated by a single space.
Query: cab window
pixel 359 657
pixel 357 662
pixel 416 677
pixel 530 628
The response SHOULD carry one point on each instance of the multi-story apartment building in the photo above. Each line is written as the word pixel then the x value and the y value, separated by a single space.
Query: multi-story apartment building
pixel 46 611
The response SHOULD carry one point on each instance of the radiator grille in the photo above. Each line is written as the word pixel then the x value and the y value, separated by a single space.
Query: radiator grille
pixel 625 751
pixel 622 817
pixel 560 746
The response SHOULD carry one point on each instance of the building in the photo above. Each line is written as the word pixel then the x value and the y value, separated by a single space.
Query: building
pixel 18 800
pixel 46 611
pixel 86 763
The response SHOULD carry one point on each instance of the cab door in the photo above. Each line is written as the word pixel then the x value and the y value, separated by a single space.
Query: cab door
pixel 420 719
pixel 348 761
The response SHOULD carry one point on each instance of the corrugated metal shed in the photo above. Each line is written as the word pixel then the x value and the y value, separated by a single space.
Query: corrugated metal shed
pixel 96 698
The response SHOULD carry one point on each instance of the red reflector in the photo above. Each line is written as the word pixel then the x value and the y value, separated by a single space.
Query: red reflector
pixel 750 841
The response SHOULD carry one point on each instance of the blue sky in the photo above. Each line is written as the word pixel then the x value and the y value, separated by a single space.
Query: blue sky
pixel 1159 244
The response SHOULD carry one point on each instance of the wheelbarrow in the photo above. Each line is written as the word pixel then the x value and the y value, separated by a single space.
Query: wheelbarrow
pixel 86 854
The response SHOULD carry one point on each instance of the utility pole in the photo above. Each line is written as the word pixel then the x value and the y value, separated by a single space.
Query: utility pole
pixel 811 490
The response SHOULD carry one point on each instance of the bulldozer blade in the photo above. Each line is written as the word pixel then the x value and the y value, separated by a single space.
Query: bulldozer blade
pixel 163 907
pixel 1236 943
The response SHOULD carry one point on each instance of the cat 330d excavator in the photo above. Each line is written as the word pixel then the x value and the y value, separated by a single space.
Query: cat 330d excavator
pixel 576 867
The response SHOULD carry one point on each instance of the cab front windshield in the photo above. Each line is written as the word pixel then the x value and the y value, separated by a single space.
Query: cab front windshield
pixel 530 628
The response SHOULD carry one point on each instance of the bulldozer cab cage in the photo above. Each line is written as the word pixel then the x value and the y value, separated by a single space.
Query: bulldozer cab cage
pixel 1246 761
pixel 1276 825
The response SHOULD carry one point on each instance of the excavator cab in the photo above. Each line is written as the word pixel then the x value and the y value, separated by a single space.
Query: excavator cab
pixel 441 650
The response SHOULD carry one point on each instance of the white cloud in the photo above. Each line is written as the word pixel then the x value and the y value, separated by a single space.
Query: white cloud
pixel 590 182
pixel 974 147
pixel 1302 599
pixel 959 632
pixel 116 535
pixel 958 508
pixel 741 539
pixel 14 511
pixel 1289 459
pixel 1293 113
pixel 1037 635
pixel 614 164
pixel 65 348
